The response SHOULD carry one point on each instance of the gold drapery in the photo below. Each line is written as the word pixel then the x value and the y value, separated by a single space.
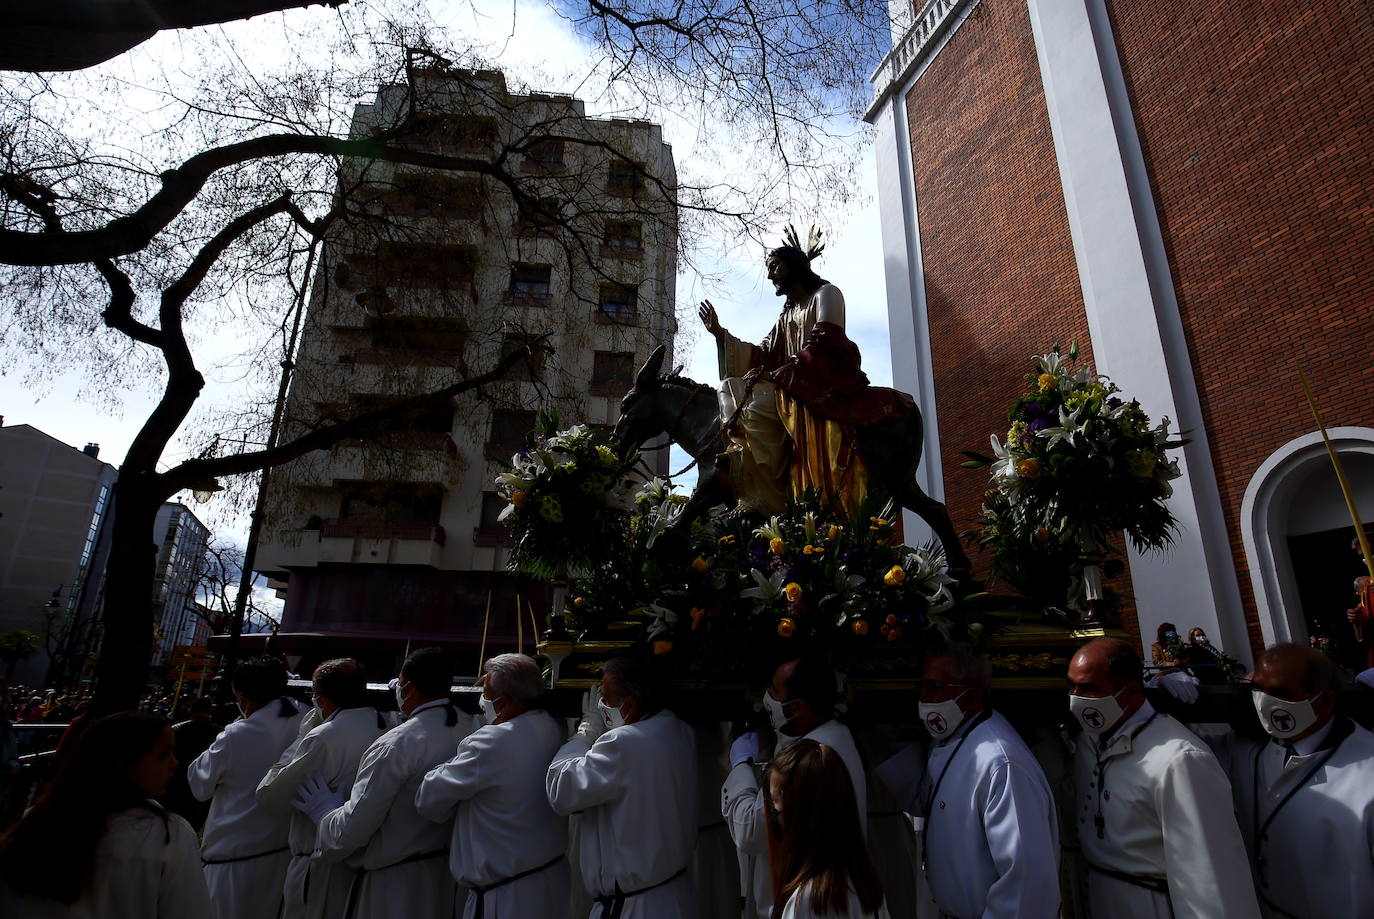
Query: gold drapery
pixel 825 457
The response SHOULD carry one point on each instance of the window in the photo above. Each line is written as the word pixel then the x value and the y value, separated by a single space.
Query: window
pixel 530 367
pixel 428 194
pixel 416 429
pixel 619 304
pixel 452 131
pixel 626 179
pixel 545 153
pixel 416 265
pixel 508 432
pixel 411 340
pixel 383 501
pixel 623 239
pixel 540 216
pixel 613 373
pixel 530 283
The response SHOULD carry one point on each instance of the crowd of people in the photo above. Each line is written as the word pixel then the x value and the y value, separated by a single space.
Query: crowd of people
pixel 338 811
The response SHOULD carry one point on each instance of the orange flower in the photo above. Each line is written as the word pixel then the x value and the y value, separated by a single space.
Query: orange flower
pixel 793 592
pixel 1042 535
pixel 1030 468
pixel 518 498
pixel 891 619
pixel 808 550
pixel 859 627
pixel 700 564
pixel 697 615
pixel 786 626
pixel 895 575
pixel 580 602
pixel 776 546
pixel 662 646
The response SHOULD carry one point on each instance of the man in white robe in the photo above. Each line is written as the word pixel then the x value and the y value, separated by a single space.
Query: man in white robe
pixel 990 827
pixel 800 703
pixel 244 847
pixel 400 859
pixel 1305 795
pixel 330 751
pixel 1155 820
pixel 635 786
pixel 508 845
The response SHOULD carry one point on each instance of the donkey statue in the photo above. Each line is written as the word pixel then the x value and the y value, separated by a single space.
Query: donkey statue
pixel 689 413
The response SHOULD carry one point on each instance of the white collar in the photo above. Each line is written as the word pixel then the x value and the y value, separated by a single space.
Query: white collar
pixel 964 727
pixel 1309 744
pixel 426 706
pixel 1138 717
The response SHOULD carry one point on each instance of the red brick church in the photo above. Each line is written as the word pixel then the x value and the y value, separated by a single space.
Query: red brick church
pixel 1186 190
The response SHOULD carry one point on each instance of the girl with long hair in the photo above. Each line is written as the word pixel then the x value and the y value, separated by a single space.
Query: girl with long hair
pixel 96 845
pixel 821 865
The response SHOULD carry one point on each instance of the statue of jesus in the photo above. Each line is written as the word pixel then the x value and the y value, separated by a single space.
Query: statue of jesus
pixel 791 403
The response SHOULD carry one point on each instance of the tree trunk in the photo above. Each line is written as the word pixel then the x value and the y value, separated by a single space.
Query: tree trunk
pixel 122 669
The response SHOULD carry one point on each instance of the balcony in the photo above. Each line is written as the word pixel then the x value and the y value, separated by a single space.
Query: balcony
pixel 381 542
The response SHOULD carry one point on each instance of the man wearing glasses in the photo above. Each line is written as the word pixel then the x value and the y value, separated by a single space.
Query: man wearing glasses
pixel 990 831
pixel 1305 794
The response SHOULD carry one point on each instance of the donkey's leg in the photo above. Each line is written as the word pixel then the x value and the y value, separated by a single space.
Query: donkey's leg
pixel 936 516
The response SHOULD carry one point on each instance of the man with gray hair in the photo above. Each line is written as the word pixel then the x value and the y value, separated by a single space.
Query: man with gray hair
pixel 991 834
pixel 346 726
pixel 508 845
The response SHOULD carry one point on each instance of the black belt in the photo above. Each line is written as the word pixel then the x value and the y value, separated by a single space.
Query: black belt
pixel 1148 882
pixel 613 904
pixel 353 888
pixel 482 891
pixel 242 858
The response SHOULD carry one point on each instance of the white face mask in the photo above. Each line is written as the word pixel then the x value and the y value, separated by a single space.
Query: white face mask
pixel 400 695
pixel 488 709
pixel 777 714
pixel 612 716
pixel 1096 715
pixel 942 718
pixel 1283 720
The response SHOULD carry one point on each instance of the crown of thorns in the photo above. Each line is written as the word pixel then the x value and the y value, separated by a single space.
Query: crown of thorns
pixel 814 247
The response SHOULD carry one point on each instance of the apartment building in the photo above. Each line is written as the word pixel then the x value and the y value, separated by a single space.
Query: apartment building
pixel 560 232
pixel 182 542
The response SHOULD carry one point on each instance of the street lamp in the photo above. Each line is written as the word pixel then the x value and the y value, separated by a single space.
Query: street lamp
pixel 203 491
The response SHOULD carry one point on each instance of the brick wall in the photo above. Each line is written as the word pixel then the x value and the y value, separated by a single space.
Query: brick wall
pixel 1255 121
pixel 1000 277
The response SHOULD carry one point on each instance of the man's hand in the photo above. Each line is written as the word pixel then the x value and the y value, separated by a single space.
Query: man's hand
pixel 315 798
pixel 708 316
pixel 593 725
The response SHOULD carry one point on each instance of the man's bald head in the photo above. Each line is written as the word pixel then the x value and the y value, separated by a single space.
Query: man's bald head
pixel 1110 664
pixel 1298 665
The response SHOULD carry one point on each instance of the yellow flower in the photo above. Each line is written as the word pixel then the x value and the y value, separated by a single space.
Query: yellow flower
pixel 1042 535
pixel 859 627
pixel 793 592
pixel 1030 468
pixel 809 550
pixel 834 532
pixel 776 546
pixel 697 615
pixel 877 523
pixel 1047 382
pixel 518 498
pixel 662 646
pixel 580 602
pixel 786 626
pixel 700 564
pixel 895 575
pixel 726 540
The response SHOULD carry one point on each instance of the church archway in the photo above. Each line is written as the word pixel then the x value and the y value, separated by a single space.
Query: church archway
pixel 1297 531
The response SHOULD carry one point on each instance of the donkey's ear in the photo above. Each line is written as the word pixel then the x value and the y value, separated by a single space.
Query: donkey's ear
pixel 648 374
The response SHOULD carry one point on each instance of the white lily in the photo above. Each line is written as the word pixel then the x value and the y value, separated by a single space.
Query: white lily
pixel 766 588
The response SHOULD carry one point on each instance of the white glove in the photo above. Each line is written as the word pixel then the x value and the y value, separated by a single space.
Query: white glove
pixel 1182 686
pixel 744 749
pixel 593 725
pixel 315 798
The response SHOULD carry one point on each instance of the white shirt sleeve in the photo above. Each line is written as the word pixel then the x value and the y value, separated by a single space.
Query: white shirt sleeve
pixel 1018 822
pixel 278 787
pixel 349 827
pixel 743 809
pixel 456 780
pixel 580 777
pixel 208 770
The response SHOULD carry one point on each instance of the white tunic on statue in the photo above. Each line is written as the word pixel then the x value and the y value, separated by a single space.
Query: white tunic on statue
pixel 400 858
pixel 330 751
pixel 799 906
pixel 991 829
pixel 741 803
pixel 503 826
pixel 636 791
pixel 244 844
pixel 144 869
pixel 1314 855
pixel 1167 819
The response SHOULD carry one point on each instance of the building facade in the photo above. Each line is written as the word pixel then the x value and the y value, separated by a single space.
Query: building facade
pixel 55 513
pixel 182 541
pixel 561 236
pixel 1184 190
